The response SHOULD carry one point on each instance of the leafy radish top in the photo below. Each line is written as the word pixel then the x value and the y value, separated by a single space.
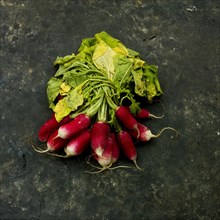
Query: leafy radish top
pixel 103 69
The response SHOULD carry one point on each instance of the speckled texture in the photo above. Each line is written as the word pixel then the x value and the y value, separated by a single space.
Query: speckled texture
pixel 181 176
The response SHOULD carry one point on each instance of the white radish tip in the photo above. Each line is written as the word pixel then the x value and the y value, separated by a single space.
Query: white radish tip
pixel 104 161
pixel 148 135
pixel 69 151
pixel 99 151
pixel 61 133
pixel 49 147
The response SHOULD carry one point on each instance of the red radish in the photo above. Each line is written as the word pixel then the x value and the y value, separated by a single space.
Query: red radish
pixel 144 114
pixel 75 127
pixel 144 134
pixel 78 144
pixel 50 126
pixel 55 143
pixel 115 148
pixel 106 158
pixel 128 147
pixel 99 137
pixel 126 118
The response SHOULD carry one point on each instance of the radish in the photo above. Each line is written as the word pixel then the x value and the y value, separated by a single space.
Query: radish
pixel 50 126
pixel 55 143
pixel 144 134
pixel 99 137
pixel 115 148
pixel 128 147
pixel 78 144
pixel 144 114
pixel 109 156
pixel 75 127
pixel 126 118
pixel 105 159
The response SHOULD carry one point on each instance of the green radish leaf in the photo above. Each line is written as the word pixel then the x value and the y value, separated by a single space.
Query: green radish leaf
pixel 60 71
pixel 75 98
pixel 74 80
pixel 53 89
pixel 69 103
pixel 140 84
pixel 123 66
pixel 134 107
pixel 62 60
pixel 152 82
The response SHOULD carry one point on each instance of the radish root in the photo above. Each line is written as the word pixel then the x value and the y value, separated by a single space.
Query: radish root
pixel 135 163
pixel 58 155
pixel 101 169
pixel 166 128
pixel 138 132
pixel 116 167
pixel 158 100
pixel 38 149
pixel 109 167
pixel 157 117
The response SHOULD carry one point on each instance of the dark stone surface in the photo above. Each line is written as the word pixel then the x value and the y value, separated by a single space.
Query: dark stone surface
pixel 181 176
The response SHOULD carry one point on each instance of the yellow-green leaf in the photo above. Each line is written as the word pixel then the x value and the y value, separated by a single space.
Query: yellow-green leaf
pixel 64 89
pixel 103 58
pixel 61 110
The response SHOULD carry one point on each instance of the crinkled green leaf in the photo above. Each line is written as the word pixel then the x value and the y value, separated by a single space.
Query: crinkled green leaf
pixel 74 80
pixel 69 103
pixel 86 49
pixel 60 71
pixel 152 82
pixel 108 39
pixel 75 98
pixel 133 53
pixel 123 66
pixel 134 107
pixel 140 83
pixel 53 88
pixel 65 59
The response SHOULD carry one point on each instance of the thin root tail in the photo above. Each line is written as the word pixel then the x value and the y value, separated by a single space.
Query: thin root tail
pixel 39 150
pixel 58 155
pixel 135 163
pixel 164 129
pixel 157 117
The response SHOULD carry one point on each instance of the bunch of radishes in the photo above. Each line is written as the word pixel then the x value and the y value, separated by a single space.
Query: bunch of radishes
pixel 76 135
pixel 94 99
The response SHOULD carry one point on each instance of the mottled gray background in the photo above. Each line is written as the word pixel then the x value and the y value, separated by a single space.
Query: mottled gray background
pixel 181 176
